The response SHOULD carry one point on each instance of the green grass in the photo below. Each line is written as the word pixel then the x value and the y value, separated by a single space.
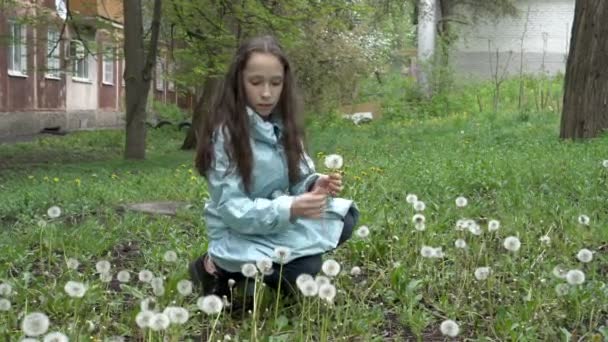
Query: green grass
pixel 510 167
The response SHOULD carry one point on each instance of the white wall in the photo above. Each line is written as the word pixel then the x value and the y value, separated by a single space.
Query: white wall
pixel 545 43
pixel 83 95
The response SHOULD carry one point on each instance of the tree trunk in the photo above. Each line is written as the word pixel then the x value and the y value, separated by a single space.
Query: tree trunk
pixel 138 70
pixel 585 111
pixel 201 108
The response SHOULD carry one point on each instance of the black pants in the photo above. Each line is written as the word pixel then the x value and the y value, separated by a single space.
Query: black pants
pixel 308 264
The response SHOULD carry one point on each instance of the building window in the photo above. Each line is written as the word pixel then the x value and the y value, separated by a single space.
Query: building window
pixel 17 50
pixel 158 75
pixel 81 62
pixel 108 66
pixel 52 54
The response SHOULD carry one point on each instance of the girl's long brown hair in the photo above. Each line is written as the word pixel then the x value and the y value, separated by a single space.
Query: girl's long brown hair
pixel 229 113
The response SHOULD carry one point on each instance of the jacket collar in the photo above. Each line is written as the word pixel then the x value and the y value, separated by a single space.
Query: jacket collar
pixel 264 130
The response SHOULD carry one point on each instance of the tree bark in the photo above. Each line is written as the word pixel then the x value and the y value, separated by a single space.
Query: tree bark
pixel 585 110
pixel 138 69
pixel 201 108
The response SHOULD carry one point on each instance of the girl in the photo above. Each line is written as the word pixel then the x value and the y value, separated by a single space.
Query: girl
pixel 264 192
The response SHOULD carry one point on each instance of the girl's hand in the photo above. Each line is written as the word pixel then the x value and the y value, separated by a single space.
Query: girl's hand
pixel 331 183
pixel 309 204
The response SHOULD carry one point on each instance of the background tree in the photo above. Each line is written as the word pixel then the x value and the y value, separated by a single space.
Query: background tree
pixel 332 44
pixel 138 71
pixel 585 110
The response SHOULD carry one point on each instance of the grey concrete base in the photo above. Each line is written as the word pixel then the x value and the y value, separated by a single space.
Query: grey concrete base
pixel 15 126
pixel 157 208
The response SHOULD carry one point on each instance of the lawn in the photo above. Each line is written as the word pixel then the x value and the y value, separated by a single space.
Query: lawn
pixel 549 197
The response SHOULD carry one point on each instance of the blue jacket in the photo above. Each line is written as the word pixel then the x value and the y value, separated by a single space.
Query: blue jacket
pixel 244 228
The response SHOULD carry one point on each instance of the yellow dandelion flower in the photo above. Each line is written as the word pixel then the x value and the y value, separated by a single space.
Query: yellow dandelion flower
pixel 114 176
pixel 77 181
pixel 193 178
pixel 56 180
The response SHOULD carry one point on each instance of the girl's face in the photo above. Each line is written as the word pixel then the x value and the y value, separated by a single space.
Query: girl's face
pixel 263 79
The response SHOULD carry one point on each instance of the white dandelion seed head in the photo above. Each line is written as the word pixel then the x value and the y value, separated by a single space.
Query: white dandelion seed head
pixel 170 256
pixel 461 224
pixel 249 270
pixel 115 339
pixel 75 289
pixel 103 266
pixel 145 276
pixel 35 324
pixel 474 228
pixel 28 339
pixel 322 280
pixel 460 243
pixel 334 161
pixel 159 322
pixel 105 277
pixel 54 212
pixel 176 314
pixel 575 277
pixel 449 328
pixel 227 338
pixel 331 268
pixel 560 271
pixel 493 225
pixel 5 290
pixel 584 255
pixel 123 276
pixel 144 318
pixel 148 304
pixel 327 292
pixel 55 337
pixel 309 288
pixel 211 305
pixel 362 232
pixel 72 263
pixel 5 304
pixel 90 326
pixel 265 266
pixel 562 289
pixel 355 271
pixel 512 243
pixel 605 163
pixel 411 199
pixel 461 202
pixel 427 251
pixel 420 226
pixel 584 220
pixel 158 291
pixel 438 252
pixel 231 283
pixel 482 273
pixel 545 240
pixel 418 218
pixel 184 287
pixel 419 206
pixel 157 282
pixel 41 223
pixel 282 254
pixel 302 278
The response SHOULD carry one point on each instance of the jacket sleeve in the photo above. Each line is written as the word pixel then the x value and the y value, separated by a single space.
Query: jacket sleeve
pixel 238 211
pixel 307 174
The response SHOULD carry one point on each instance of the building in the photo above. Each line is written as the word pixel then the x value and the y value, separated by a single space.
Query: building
pixel 68 77
pixel 540 34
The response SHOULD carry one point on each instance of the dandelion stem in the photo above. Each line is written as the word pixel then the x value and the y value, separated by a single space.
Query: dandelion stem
pixel 276 307
pixel 213 327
